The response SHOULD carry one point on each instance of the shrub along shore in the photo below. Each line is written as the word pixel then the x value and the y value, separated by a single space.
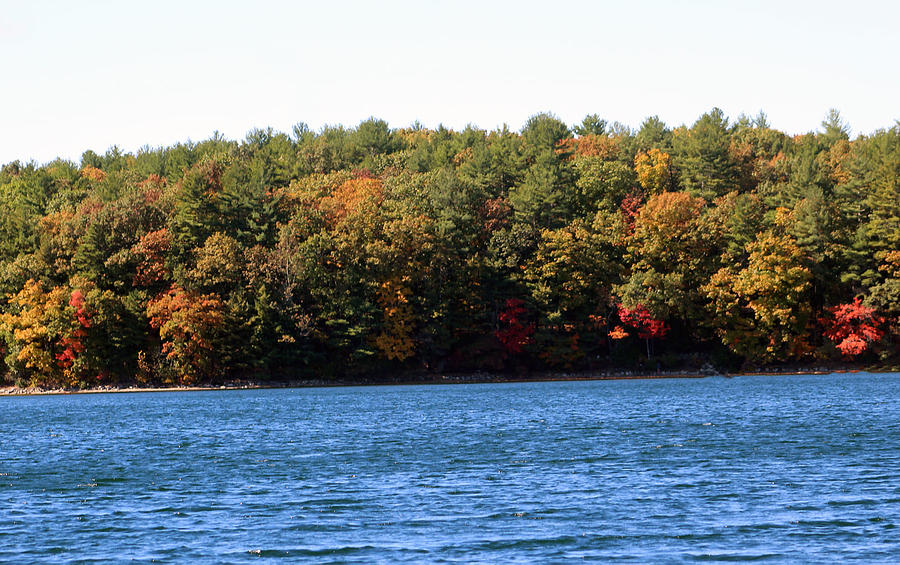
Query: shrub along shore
pixel 352 255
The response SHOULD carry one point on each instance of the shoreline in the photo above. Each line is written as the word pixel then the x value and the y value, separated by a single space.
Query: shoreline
pixel 473 378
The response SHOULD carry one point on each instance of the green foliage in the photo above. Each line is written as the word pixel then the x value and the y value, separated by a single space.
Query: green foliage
pixel 702 156
pixel 601 184
pixel 543 132
pixel 653 133
pixel 196 215
pixel 371 250
pixel 591 125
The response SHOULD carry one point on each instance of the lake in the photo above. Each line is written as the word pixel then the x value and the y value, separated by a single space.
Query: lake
pixel 778 468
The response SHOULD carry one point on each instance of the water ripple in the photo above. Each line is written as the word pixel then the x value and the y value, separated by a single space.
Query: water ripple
pixel 799 469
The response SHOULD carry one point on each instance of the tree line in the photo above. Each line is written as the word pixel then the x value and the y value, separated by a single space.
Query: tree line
pixel 369 251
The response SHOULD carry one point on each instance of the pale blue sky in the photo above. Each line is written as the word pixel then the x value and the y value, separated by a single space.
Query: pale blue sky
pixel 90 74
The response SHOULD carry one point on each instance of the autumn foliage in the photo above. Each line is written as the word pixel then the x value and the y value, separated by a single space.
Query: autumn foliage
pixel 188 325
pixel 515 331
pixel 653 170
pixel 369 250
pixel 643 322
pixel 396 340
pixel 853 327
pixel 73 343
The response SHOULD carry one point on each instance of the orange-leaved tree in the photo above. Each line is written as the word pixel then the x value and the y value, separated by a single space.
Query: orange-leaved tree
pixel 189 326
pixel 669 257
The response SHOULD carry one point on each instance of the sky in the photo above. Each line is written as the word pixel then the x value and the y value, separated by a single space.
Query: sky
pixel 93 74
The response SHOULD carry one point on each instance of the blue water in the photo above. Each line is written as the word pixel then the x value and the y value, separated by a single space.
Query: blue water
pixel 786 469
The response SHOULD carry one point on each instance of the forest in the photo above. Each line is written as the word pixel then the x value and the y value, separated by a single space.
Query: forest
pixel 353 253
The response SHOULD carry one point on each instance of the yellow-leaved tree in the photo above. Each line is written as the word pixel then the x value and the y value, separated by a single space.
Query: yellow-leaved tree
pixel 33 328
pixel 761 310
pixel 652 170
pixel 396 338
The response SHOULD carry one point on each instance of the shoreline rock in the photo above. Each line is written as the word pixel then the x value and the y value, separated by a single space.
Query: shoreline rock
pixel 429 379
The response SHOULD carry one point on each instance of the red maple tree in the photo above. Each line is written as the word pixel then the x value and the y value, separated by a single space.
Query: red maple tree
pixel 853 327
pixel 646 325
pixel 516 332
pixel 73 344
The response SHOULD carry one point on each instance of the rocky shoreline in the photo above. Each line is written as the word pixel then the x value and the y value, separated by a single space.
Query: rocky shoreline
pixel 428 379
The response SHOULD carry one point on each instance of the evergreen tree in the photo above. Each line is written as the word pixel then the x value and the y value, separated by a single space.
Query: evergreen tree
pixel 702 157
